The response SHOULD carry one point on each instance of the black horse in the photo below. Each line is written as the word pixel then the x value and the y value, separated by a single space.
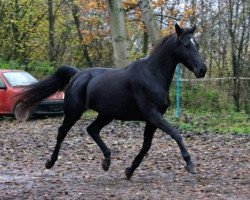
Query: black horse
pixel 139 91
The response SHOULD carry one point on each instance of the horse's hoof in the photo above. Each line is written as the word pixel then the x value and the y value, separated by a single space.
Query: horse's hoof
pixel 129 173
pixel 191 169
pixel 49 164
pixel 105 165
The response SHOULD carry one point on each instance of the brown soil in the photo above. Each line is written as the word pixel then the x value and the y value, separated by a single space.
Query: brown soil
pixel 223 164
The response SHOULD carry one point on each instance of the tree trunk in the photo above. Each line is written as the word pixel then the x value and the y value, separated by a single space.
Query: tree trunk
pixel 145 43
pixel 193 17
pixel 51 19
pixel 149 21
pixel 119 36
pixel 236 94
pixel 15 32
pixel 238 17
pixel 84 48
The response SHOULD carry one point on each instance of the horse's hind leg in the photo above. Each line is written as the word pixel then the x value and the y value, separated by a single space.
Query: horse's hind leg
pixel 94 131
pixel 72 114
pixel 148 136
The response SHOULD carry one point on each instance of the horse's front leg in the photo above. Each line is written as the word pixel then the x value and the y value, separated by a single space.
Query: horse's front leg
pixel 148 136
pixel 94 131
pixel 156 118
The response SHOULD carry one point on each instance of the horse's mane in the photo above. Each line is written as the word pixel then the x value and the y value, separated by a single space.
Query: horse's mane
pixel 161 42
pixel 159 45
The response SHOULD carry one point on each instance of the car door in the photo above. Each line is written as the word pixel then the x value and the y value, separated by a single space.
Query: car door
pixel 4 104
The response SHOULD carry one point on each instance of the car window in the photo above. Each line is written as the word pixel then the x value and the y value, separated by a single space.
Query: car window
pixel 19 78
pixel 2 85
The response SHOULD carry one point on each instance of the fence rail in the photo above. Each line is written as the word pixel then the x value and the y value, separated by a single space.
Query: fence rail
pixel 212 79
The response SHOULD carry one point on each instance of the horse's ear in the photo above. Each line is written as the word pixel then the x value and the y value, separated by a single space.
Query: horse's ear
pixel 178 30
pixel 192 29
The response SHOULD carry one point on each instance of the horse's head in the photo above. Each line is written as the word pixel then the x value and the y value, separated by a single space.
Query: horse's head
pixel 187 51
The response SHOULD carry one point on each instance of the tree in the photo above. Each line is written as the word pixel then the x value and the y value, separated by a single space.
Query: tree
pixel 149 20
pixel 238 28
pixel 20 22
pixel 76 13
pixel 119 36
pixel 52 43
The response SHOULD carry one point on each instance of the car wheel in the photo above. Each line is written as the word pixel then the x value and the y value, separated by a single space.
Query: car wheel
pixel 20 116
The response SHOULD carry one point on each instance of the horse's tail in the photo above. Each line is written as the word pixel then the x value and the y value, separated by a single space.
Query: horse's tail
pixel 40 90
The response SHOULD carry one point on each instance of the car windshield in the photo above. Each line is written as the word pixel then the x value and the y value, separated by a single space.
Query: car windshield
pixel 19 78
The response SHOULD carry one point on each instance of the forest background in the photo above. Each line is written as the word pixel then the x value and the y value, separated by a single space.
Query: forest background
pixel 40 35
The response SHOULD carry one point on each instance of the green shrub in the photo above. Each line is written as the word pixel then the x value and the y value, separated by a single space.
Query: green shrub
pixel 12 64
pixel 202 97
pixel 37 68
pixel 40 69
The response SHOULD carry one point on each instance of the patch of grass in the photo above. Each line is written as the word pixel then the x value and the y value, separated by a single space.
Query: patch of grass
pixel 225 122
pixel 89 114
pixel 198 121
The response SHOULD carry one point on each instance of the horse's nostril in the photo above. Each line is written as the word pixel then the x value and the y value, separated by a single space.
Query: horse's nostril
pixel 203 71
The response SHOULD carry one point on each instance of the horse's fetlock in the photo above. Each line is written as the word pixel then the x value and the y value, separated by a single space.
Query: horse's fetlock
pixel 177 137
pixel 107 155
pixel 90 130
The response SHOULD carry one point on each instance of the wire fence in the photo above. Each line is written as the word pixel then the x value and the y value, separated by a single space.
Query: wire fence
pixel 209 93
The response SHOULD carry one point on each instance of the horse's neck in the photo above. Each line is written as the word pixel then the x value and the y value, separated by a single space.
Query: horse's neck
pixel 163 66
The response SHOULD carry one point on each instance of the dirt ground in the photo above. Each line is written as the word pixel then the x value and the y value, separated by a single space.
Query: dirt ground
pixel 223 164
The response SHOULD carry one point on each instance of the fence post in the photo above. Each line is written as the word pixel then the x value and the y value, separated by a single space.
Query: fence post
pixel 178 91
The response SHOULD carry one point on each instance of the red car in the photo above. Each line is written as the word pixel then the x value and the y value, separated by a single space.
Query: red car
pixel 12 83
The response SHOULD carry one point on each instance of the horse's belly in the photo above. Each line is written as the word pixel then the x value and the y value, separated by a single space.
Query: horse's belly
pixel 112 98
pixel 122 109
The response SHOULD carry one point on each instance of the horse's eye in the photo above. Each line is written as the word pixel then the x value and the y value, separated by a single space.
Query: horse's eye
pixel 187 45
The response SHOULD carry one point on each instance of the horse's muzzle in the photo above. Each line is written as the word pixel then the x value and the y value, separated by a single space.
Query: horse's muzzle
pixel 201 72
